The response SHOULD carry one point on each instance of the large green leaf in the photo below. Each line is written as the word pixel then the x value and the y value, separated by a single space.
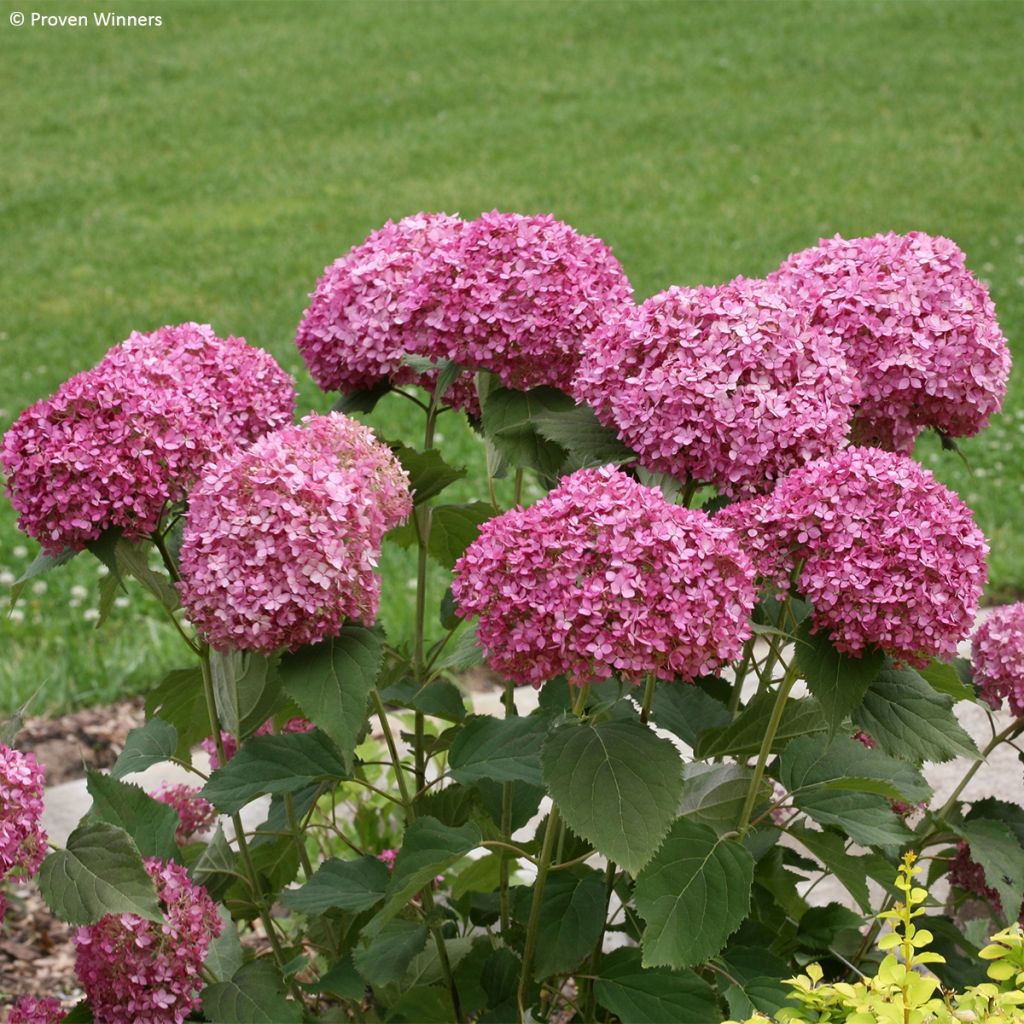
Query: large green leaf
pixel 579 432
pixel 501 749
pixel 352 885
pixel 693 895
pixel 945 677
pixel 830 849
pixel 866 818
pixel 995 847
pixel 909 719
pixel 150 823
pixel 653 995
pixel 274 764
pixel 743 737
pixel 331 681
pixel 179 700
pixel 100 872
pixel 452 529
pixel 837 680
pixel 224 957
pixel 428 848
pixel 150 744
pixel 42 563
pixel 391 951
pixel 246 686
pixel 428 473
pixel 438 699
pixel 572 917
pixel 617 784
pixel 509 423
pixel 714 794
pixel 255 995
pixel 687 711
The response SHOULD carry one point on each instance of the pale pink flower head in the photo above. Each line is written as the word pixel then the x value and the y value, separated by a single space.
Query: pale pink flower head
pixel 997 658
pixel 197 815
pixel 361 320
pixel 917 327
pixel 726 385
pixel 282 538
pixel 30 1010
pixel 117 442
pixel 136 970
pixel 604 576
pixel 517 295
pixel 887 555
pixel 22 839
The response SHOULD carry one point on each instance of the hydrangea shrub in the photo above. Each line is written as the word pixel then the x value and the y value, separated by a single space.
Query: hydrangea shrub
pixel 734 600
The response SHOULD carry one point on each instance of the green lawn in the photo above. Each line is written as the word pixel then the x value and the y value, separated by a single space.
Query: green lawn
pixel 209 169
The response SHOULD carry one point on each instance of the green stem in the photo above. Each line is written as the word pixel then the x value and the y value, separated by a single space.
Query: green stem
pixel 389 739
pixel 766 747
pixel 645 708
pixel 543 865
pixel 741 675
pixel 595 958
pixel 506 822
pixel 517 494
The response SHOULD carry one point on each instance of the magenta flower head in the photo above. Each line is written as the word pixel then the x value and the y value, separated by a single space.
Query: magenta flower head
pixel 196 814
pixel 22 840
pixel 136 970
pixel 887 556
pixel 917 327
pixel 604 576
pixel 282 538
pixel 997 658
pixel 517 295
pixel 117 442
pixel 725 385
pixel 966 874
pixel 30 1010
pixel 361 321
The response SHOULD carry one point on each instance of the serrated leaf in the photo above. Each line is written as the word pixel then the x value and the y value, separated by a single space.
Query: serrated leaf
pixel 909 719
pixel 342 980
pixel 152 743
pixel 463 655
pixel 439 699
pixel 578 431
pixel 687 711
pixel 428 473
pixel 653 995
pixel 453 528
pixel 100 872
pixel 995 847
pixel 150 823
pixel 500 749
pixel 331 682
pixel 246 686
pixel 837 680
pixel 224 956
pixel 508 422
pixel 215 869
pixel 801 716
pixel 714 794
pixel 944 677
pixel 866 818
pixel 362 401
pixel 693 895
pixel 617 785
pixel 180 701
pixel 391 951
pixel 830 849
pixel 274 764
pixel 255 995
pixel 352 885
pixel 39 565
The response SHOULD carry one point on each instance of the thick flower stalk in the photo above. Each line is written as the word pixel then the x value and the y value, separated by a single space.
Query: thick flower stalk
pixel 117 442
pixel 917 327
pixel 726 385
pixel 362 318
pixel 282 538
pixel 997 658
pixel 888 557
pixel 517 295
pixel 603 576
pixel 22 839
pixel 197 815
pixel 136 970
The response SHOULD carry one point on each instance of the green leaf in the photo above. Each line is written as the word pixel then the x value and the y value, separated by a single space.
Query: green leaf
pixel 501 749
pixel 150 823
pixel 274 764
pixel 687 711
pixel 830 849
pixel 255 995
pixel 818 927
pixel 179 700
pixel 331 681
pixel 837 680
pixel 246 686
pixel 428 473
pixel 714 794
pixel 150 744
pixel 224 956
pixel 362 401
pixel 453 528
pixel 572 918
pixel 100 872
pixel 617 784
pixel 508 422
pixel 995 847
pixel 944 677
pixel 387 957
pixel 439 699
pixel 216 867
pixel 481 875
pixel 801 716
pixel 342 980
pixel 579 432
pixel 463 655
pixel 422 1004
pixel 1012 815
pixel 693 895
pixel 352 885
pixel 909 719
pixel 867 819
pixel 428 848
pixel 653 995
pixel 42 563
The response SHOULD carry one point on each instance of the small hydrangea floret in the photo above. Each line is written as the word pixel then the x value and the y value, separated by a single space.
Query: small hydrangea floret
pixel 997 658
pixel 196 814
pixel 22 839
pixel 33 1010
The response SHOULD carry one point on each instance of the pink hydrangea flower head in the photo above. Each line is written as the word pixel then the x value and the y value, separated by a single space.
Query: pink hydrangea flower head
pixel 887 556
pixel 968 875
pixel 196 813
pixel 282 537
pixel 388 857
pixel 230 744
pixel 516 295
pixel 997 658
pixel 136 970
pixel 727 385
pixel 361 320
pixel 917 327
pixel 22 839
pixel 117 442
pixel 30 1010
pixel 604 576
